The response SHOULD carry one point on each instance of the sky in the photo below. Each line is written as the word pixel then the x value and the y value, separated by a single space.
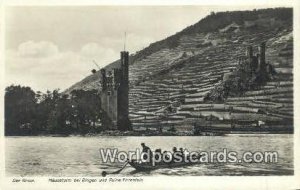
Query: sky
pixel 48 48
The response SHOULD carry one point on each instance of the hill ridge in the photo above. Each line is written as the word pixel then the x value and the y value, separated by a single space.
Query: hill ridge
pixel 170 78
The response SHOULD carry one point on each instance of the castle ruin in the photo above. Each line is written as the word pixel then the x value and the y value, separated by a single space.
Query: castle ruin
pixel 258 64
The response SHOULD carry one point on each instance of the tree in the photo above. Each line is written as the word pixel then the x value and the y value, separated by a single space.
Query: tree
pixel 20 104
pixel 59 121
pixel 30 113
pixel 46 104
pixel 87 110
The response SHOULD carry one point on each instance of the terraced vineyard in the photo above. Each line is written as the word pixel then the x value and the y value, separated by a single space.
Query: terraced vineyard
pixel 167 87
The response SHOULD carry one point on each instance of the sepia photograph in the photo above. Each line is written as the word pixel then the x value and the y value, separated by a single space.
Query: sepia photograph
pixel 124 92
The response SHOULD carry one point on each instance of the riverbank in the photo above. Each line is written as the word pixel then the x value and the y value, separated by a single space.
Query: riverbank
pixel 156 133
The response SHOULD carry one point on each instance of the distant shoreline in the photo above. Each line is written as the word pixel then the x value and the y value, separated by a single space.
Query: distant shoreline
pixel 139 134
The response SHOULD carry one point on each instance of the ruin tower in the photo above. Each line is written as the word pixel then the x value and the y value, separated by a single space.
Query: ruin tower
pixel 262 52
pixel 262 58
pixel 249 56
pixel 249 52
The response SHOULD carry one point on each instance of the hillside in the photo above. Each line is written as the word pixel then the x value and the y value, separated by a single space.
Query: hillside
pixel 170 78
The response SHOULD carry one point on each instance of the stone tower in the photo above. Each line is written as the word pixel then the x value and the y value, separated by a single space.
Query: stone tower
pixel 262 58
pixel 258 61
pixel 123 91
pixel 114 94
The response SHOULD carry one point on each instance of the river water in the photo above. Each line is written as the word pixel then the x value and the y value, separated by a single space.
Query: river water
pixel 79 156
